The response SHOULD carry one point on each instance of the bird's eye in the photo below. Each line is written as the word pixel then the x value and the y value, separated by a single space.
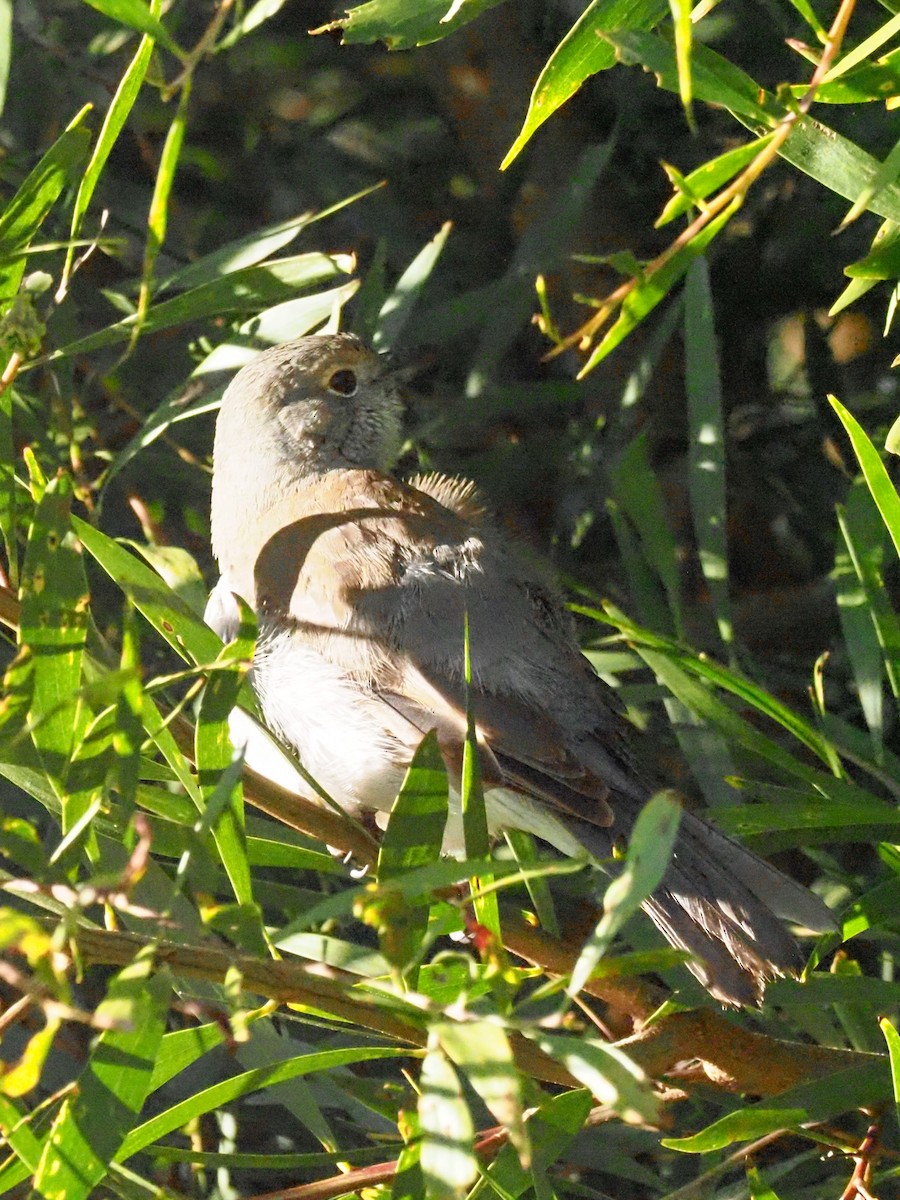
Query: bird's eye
pixel 343 382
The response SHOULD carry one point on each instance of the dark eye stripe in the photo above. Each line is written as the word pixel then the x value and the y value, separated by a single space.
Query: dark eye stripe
pixel 343 382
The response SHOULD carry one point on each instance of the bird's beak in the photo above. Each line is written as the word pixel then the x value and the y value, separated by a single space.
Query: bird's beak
pixel 403 366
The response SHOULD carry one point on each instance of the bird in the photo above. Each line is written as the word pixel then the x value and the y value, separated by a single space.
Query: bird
pixel 362 583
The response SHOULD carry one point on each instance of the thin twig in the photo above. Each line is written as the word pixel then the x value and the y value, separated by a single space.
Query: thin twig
pixel 733 194
pixel 204 43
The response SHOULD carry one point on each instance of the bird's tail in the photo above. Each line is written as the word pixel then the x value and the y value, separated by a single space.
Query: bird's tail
pixel 726 908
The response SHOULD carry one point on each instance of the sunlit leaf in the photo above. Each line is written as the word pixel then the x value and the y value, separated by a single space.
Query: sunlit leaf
pixel 137 15
pixel 448 1132
pixel 401 25
pixel 649 851
pixel 609 1074
pixel 90 1128
pixel 745 1125
pixel 579 55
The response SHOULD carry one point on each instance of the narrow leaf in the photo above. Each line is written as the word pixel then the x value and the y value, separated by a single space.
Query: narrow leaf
pixel 649 851
pixel 136 15
pixel 481 1050
pixel 706 459
pixel 53 625
pixel 397 309
pixel 244 1084
pixel 415 831
pixel 745 1125
pixel 448 1132
pixel 609 1074
pixel 92 1124
pixel 215 754
pixel 874 472
pixel 579 55
pixel 401 25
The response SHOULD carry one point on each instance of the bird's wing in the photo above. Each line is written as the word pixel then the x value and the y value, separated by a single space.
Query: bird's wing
pixel 381 576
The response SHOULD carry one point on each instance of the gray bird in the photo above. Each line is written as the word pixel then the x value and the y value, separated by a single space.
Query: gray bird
pixel 361 582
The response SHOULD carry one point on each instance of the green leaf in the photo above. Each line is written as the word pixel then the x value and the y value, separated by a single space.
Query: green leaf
pixel 861 820
pixel 820 988
pixel 553 1126
pixel 256 247
pixel 238 255
pixel 806 11
pixel 759 1189
pixel 414 885
pixel 474 813
pixel 333 952
pixel 649 851
pixel 116 116
pixel 136 15
pixel 178 568
pixel 255 15
pixel 715 79
pixel 215 755
pixel 415 831
pixel 53 626
pixel 608 1072
pixel 864 49
pixel 707 178
pixel 836 162
pixel 402 25
pixel 883 260
pixel 398 308
pixel 5 47
pixel 229 1090
pixel 874 472
pixel 181 1048
pixel 16 1126
pixel 8 499
pixel 481 1050
pixel 158 216
pixel 413 838
pixel 638 491
pixel 866 1083
pixel 893 1044
pixel 242 291
pixel 873 908
pixel 579 55
pixel 814 148
pixel 870 625
pixel 706 457
pixel 705 705
pixel 185 632
pixel 447 1155
pixel 645 296
pixel 26 211
pixel 93 1123
pixel 526 854
pixel 684 46
pixel 884 177
pixel 745 1125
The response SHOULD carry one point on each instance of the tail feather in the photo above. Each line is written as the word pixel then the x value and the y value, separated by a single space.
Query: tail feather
pixel 725 906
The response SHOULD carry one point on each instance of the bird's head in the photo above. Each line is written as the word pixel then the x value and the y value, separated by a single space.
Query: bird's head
pixel 309 406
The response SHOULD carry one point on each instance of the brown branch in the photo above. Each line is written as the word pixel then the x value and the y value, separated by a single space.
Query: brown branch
pixel 487 1147
pixel 858 1185
pixel 732 1057
pixel 204 45
pixel 290 982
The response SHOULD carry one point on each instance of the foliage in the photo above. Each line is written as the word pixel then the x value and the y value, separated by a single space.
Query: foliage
pixel 181 950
